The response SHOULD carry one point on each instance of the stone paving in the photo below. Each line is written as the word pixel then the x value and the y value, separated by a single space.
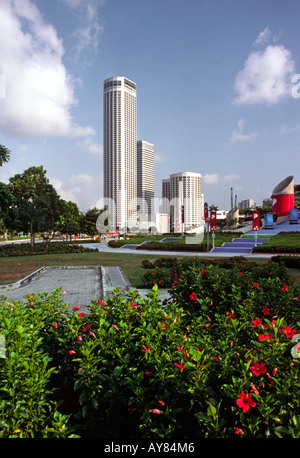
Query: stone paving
pixel 82 284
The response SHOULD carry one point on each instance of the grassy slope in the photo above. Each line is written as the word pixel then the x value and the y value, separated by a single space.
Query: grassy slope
pixel 286 239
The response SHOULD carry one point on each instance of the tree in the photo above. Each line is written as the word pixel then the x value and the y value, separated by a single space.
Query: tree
pixel 32 211
pixel 4 155
pixel 88 221
pixel 69 218
pixel 6 208
pixel 36 202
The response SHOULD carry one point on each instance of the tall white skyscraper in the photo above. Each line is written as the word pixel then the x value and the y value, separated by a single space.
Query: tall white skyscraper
pixel 186 201
pixel 145 177
pixel 120 150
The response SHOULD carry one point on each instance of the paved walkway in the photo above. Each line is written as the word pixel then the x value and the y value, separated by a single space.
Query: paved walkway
pixel 82 284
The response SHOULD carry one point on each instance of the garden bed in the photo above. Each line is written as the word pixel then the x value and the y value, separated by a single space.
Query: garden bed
pixel 219 360
pixel 25 249
pixel 167 272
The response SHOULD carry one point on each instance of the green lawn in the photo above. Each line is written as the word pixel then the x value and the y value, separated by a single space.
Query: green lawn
pixel 15 268
pixel 287 239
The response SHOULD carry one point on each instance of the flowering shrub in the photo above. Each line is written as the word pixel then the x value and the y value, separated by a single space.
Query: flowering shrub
pixel 219 359
pixel 27 408
pixel 168 272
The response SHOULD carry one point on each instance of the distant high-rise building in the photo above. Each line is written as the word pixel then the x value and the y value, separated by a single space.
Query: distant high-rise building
pixel 120 149
pixel 186 201
pixel 247 203
pixel 145 177
pixel 166 196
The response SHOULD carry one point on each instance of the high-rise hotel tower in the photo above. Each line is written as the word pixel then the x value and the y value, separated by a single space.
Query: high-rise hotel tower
pixel 120 150
pixel 186 201
pixel 145 177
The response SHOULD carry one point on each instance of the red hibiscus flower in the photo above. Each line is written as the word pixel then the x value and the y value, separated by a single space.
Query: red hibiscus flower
pixel 288 332
pixel 193 296
pixel 266 310
pixel 245 401
pixel 257 323
pixel 284 288
pixel 254 390
pixel 181 366
pixel 86 327
pixel 133 305
pixel 258 369
pixel 262 337
pixel 157 411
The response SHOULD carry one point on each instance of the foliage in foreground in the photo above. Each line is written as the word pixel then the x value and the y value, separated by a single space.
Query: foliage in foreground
pixel 220 359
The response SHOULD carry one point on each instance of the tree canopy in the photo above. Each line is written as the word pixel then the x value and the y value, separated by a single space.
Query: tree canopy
pixel 4 155
pixel 29 203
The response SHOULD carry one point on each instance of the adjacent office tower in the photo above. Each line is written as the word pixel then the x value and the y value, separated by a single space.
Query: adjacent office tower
pixel 145 178
pixel 186 201
pixel 166 196
pixel 120 150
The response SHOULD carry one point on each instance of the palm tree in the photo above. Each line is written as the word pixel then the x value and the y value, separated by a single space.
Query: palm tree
pixel 4 155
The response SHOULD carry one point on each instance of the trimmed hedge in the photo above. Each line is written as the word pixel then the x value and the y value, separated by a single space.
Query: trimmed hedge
pixel 288 261
pixel 275 249
pixel 164 246
pixel 25 249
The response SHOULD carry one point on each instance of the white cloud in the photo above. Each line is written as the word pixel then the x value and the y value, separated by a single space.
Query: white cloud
pixel 286 128
pixel 263 37
pixel 231 178
pixel 91 147
pixel 211 178
pixel 39 92
pixel 215 178
pixel 159 158
pixel 239 135
pixel 89 29
pixel 266 76
pixel 83 189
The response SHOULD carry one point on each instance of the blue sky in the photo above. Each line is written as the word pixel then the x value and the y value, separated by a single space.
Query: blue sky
pixel 214 90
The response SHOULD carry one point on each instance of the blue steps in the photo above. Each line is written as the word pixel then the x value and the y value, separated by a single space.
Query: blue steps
pixel 239 246
pixel 232 250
